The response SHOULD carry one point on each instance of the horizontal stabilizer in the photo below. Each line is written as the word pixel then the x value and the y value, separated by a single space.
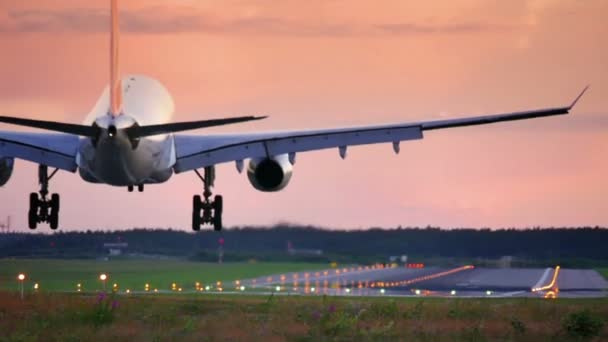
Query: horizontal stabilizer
pixel 133 132
pixel 86 131
pixel 146 131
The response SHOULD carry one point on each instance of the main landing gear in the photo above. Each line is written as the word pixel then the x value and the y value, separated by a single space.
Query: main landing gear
pixel 211 210
pixel 43 209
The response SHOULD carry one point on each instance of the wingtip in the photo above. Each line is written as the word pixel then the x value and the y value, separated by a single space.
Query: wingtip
pixel 579 96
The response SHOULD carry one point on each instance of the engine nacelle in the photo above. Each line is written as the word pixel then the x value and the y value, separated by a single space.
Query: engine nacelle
pixel 6 169
pixel 270 174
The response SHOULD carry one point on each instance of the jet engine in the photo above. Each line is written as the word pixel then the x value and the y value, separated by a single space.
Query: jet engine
pixel 6 169
pixel 270 174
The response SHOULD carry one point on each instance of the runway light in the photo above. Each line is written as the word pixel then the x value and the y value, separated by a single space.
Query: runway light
pixel 278 288
pixel 36 286
pixel 453 292
pixel 207 288
pixel 488 293
pixel 242 288
pixel 103 278
pixel 312 289
pixel 128 291
pixel 347 290
pixel 179 290
pixel 417 292
pixel 382 291
pixel 21 278
pixel 155 290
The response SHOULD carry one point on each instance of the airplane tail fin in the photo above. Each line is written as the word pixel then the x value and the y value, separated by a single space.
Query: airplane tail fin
pixel 115 80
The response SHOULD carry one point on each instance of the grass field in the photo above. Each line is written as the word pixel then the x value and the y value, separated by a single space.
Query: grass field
pixel 75 317
pixel 63 275
pixel 604 272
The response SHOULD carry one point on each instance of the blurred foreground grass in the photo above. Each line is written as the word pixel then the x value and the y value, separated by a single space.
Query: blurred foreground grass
pixel 76 317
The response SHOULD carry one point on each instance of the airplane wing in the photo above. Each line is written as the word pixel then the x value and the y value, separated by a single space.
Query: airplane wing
pixel 54 150
pixel 195 152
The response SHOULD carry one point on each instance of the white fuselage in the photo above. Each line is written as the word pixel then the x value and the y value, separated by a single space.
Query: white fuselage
pixel 118 161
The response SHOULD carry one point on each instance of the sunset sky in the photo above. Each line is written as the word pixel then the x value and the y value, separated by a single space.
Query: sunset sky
pixel 334 63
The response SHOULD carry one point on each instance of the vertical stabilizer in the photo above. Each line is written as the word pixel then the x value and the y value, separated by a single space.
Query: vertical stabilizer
pixel 115 81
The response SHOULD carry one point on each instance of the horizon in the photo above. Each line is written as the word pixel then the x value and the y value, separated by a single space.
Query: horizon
pixel 294 227
pixel 342 63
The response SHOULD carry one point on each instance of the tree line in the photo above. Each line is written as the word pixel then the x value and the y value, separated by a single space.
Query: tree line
pixel 553 243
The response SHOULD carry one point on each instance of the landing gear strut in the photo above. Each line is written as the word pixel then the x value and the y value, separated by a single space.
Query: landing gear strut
pixel 211 210
pixel 43 209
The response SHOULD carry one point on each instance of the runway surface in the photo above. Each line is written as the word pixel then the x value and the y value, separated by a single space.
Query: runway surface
pixel 463 281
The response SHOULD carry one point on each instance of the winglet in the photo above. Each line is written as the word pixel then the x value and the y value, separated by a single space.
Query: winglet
pixel 578 97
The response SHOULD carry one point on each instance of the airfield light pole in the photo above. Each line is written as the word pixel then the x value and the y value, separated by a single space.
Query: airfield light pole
pixel 220 250
pixel 103 277
pixel 21 278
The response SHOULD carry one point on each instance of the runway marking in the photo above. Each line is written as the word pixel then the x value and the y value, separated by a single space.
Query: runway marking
pixel 510 294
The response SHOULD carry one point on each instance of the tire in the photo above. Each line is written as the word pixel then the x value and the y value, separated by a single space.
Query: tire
pixel 32 215
pixel 34 202
pixel 218 205
pixel 196 213
pixel 196 202
pixel 54 220
pixel 217 222
pixel 196 220
pixel 32 219
pixel 55 201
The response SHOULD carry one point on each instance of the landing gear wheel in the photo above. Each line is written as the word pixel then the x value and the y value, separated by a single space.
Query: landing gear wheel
pixel 55 203
pixel 218 206
pixel 196 213
pixel 54 220
pixel 54 215
pixel 32 215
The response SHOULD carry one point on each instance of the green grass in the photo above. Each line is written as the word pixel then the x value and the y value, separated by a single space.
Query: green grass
pixel 604 272
pixel 63 275
pixel 245 318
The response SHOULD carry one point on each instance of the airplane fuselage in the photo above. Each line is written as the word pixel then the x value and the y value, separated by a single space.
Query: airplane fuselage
pixel 114 159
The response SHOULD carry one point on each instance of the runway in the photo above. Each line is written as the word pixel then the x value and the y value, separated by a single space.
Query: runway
pixel 462 281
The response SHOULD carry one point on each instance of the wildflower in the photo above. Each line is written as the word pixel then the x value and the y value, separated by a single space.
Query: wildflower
pixel 115 304
pixel 100 297
pixel 332 308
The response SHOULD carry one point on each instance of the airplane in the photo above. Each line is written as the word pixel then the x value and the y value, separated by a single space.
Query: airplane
pixel 128 140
